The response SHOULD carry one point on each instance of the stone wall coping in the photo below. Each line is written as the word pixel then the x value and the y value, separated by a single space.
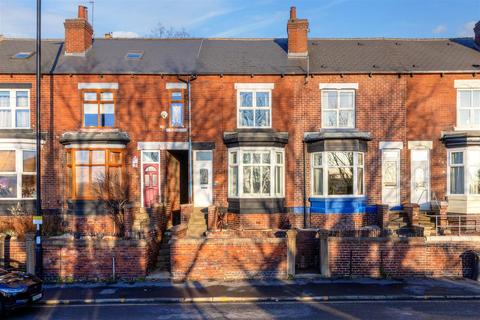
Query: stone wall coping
pixel 449 239
pixel 378 239
pixel 222 241
pixel 105 242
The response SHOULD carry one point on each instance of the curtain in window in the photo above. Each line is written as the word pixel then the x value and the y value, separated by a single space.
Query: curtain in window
pixel 456 180
pixel 22 119
pixel 5 119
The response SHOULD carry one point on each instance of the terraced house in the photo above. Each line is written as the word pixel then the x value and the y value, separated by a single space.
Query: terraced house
pixel 267 133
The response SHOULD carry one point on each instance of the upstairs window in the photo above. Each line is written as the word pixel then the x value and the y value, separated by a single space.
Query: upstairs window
pixel 468 108
pixel 176 109
pixel 338 108
pixel 14 109
pixel 254 108
pixel 98 109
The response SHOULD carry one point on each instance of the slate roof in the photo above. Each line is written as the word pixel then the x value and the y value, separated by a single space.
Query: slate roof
pixel 10 47
pixel 248 56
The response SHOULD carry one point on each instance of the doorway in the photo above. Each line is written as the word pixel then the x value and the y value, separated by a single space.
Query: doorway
pixel 202 178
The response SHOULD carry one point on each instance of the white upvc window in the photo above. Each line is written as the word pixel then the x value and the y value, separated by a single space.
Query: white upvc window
pixel 14 109
pixel 254 107
pixel 468 108
pixel 256 172
pixel 17 174
pixel 338 108
pixel 463 176
pixel 337 173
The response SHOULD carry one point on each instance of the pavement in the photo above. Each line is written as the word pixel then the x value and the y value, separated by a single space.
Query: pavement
pixel 300 290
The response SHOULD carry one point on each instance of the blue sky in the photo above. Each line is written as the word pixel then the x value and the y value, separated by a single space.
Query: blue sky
pixel 252 18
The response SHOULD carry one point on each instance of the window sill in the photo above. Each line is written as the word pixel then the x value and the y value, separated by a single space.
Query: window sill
pixel 176 130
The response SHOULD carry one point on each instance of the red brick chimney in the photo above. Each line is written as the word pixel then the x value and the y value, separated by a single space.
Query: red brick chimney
pixel 297 30
pixel 476 30
pixel 78 33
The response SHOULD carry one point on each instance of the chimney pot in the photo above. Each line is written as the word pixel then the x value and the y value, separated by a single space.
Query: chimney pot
pixel 83 12
pixel 293 13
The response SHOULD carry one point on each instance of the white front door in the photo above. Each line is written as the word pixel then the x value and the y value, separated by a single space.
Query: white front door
pixel 420 177
pixel 391 177
pixel 202 179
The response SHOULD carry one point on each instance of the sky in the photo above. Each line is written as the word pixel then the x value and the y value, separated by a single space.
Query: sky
pixel 250 18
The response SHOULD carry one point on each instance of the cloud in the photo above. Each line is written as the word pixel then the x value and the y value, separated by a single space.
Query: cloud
pixel 467 29
pixel 246 27
pixel 439 29
pixel 125 34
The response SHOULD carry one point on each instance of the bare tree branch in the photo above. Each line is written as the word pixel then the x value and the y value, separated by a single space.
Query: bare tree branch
pixel 162 32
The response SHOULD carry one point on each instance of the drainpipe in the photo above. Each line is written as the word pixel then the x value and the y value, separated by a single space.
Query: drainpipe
pixel 306 216
pixel 190 151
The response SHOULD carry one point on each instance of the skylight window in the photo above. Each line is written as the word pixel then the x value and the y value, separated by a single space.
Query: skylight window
pixel 134 55
pixel 23 55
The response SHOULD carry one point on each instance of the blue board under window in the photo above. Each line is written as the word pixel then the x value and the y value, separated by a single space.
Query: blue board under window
pixel 107 120
pixel 338 205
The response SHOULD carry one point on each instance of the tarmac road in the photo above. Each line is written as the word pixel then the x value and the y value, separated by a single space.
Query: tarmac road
pixel 391 310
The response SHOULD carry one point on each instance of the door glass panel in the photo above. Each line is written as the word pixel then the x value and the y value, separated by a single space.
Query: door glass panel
pixel 147 180
pixel 390 173
pixel 203 176
pixel 154 180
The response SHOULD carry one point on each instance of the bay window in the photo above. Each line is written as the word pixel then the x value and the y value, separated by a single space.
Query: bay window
pixel 338 108
pixel 14 109
pixel 464 171
pixel 256 172
pixel 339 173
pixel 87 168
pixel 17 174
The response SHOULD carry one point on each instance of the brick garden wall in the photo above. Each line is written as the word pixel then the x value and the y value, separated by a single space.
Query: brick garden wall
pixel 412 257
pixel 228 258
pixel 91 259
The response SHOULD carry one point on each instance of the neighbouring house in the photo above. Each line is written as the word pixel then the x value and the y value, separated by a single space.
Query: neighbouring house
pixel 278 133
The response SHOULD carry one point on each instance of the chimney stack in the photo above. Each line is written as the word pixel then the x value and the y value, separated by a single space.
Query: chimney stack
pixel 476 31
pixel 297 30
pixel 78 33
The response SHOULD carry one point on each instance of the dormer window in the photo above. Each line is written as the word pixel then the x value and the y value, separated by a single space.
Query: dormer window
pixel 134 55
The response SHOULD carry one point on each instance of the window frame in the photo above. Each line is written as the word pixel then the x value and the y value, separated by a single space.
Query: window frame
pixel 72 193
pixel 240 151
pixel 338 109
pixel 324 166
pixel 19 173
pixel 254 107
pixel 471 110
pixel 176 102
pixel 99 103
pixel 466 173
pixel 13 108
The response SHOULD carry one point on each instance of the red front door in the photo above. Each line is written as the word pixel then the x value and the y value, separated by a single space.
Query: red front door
pixel 150 184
